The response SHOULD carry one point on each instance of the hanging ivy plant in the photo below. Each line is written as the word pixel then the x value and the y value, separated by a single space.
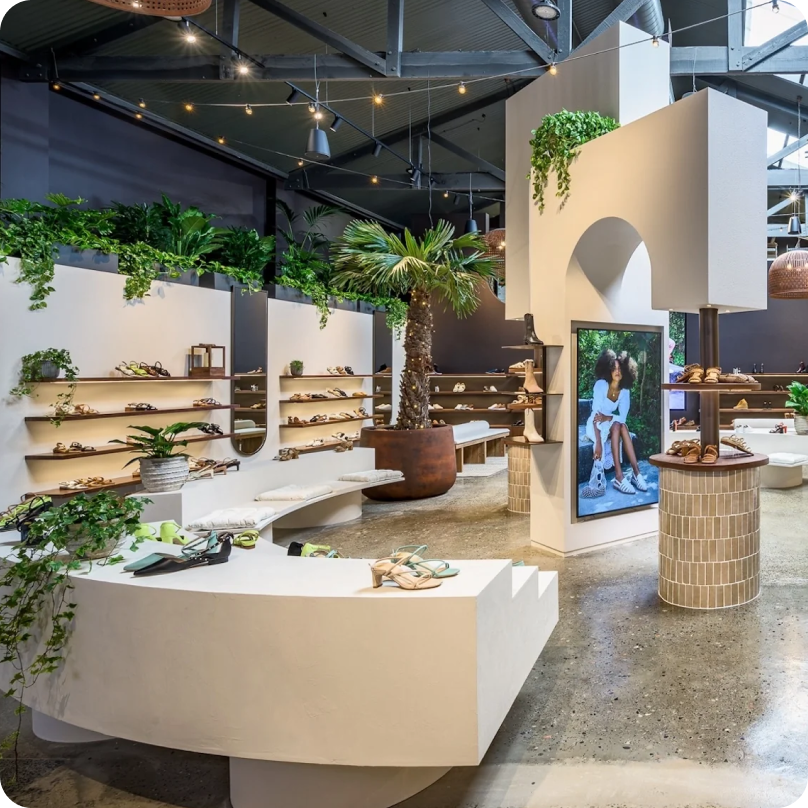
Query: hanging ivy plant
pixel 31 375
pixel 555 144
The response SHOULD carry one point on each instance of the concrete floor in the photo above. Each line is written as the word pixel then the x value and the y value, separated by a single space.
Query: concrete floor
pixel 632 703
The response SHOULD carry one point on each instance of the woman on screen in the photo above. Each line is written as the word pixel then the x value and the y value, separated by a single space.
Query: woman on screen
pixel 606 426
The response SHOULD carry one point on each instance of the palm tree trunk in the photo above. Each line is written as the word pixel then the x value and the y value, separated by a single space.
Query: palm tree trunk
pixel 413 406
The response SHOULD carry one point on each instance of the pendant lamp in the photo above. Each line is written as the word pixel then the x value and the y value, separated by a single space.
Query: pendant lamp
pixel 794 226
pixel 158 8
pixel 788 276
pixel 471 225
pixel 545 10
pixel 318 148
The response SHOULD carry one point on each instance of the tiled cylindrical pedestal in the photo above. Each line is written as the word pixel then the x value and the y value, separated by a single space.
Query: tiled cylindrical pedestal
pixel 518 476
pixel 709 531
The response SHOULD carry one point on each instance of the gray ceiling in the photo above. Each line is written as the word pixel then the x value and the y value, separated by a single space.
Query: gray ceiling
pixel 272 132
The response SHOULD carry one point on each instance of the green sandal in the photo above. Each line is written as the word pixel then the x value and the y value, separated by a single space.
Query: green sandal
pixel 169 533
pixel 144 532
pixel 246 540
pixel 413 556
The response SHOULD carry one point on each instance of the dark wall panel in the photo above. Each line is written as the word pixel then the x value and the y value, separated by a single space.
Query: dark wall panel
pixel 474 344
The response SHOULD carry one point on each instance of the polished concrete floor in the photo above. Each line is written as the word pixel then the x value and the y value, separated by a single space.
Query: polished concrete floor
pixel 632 703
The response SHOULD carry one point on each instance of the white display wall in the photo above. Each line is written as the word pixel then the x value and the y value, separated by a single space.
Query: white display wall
pixel 87 315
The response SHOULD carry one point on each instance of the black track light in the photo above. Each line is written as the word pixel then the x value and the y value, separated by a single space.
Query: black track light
pixel 294 97
pixel 377 149
pixel 336 123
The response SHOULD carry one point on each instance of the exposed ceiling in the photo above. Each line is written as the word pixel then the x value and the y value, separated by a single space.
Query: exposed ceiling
pixel 276 134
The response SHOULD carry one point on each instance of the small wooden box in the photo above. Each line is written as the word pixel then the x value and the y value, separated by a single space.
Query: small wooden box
pixel 207 361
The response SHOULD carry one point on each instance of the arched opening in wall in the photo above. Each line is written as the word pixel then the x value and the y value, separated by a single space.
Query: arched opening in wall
pixel 618 366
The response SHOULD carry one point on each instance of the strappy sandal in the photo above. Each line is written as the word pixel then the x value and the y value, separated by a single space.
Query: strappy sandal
pixel 150 371
pixel 141 407
pixel 737 442
pixel 84 409
pixel 124 368
pixel 137 370
pixel 712 376
pixel 222 466
pixel 319 396
pixel 299 397
pixel 246 540
pixel 361 413
pixel 206 402
pixel 261 405
pixel 414 554
pixel 344 446
pixel 72 485
pixel 347 416
pixel 336 392
pixel 692 455
pixel 159 370
pixel 687 372
pixel 60 448
pixel 349 370
pixel 710 455
pixel 696 376
pixel 255 372
pixel 333 371
pixel 396 570
pixel 676 447
pixel 624 486
pixel 315 442
pixel 211 429
pixel 342 372
pixel 77 447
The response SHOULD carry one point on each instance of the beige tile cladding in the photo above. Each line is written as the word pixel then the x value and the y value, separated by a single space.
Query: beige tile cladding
pixel 709 538
pixel 518 479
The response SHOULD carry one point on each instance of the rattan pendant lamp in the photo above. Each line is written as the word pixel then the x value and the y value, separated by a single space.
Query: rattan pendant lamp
pixel 158 8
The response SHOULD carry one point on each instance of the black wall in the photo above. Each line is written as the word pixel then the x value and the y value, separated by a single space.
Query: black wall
pixel 50 142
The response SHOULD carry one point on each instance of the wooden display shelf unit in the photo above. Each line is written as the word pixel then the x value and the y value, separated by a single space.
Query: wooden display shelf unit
pixel 127 413
pixel 504 410
pixel 115 449
pixel 712 388
pixel 161 379
pixel 250 409
pixel 752 410
pixel 741 461
pixel 330 422
pixel 520 441
pixel 331 400
pixel 331 376
pixel 115 482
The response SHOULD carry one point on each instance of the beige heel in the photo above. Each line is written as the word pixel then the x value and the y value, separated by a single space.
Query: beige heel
pixel 378 578
pixel 394 569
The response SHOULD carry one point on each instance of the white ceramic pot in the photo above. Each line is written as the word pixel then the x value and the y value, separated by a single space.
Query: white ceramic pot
pixel 801 424
pixel 160 474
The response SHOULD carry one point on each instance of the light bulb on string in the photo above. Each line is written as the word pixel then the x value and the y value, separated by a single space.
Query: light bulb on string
pixel 220 140
pixel 243 68
pixel 318 114
pixel 141 104
pixel 56 85
pixel 312 107
pixel 378 99
pixel 189 107
pixel 248 109
pixel 139 115
pixel 374 179
pixel 655 41
pixel 187 34
pixel 96 96
pixel 552 70
pixel 301 163
pixel 462 88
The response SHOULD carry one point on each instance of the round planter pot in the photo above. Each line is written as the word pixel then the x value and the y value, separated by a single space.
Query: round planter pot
pixel 296 371
pixel 426 456
pixel 160 474
pixel 801 424
pixel 108 548
pixel 49 370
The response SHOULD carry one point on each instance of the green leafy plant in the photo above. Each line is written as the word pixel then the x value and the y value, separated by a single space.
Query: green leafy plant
pixel 296 365
pixel 370 260
pixel 797 398
pixel 159 442
pixel 185 232
pixel 143 264
pixel 31 231
pixel 36 605
pixel 31 374
pixel 555 145
pixel 133 223
pixel 243 254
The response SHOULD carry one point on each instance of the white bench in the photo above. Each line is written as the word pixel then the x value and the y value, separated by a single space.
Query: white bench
pixel 239 489
pixel 476 440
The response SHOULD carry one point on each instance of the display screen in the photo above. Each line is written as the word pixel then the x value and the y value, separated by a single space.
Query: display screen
pixel 676 357
pixel 619 377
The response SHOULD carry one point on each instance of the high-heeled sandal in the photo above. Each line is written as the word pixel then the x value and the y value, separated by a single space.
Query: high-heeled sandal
pixel 150 371
pixel 414 554
pixel 710 455
pixel 158 368
pixel 396 570
pixel 712 375
pixel 692 455
pixel 696 376
pixel 211 429
pixel 228 463
pixel 737 442
pixel 206 402
pixel 137 370
pixel 124 368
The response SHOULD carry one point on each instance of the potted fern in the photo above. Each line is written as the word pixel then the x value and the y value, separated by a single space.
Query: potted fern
pixel 798 401
pixel 369 260
pixel 162 467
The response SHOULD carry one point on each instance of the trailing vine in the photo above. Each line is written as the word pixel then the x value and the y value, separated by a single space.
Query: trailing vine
pixel 555 145
pixel 36 606
pixel 31 374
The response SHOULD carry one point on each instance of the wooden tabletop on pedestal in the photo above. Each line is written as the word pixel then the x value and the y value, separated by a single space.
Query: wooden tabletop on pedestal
pixel 666 461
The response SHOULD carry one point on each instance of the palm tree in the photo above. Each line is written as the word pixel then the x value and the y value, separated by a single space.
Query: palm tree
pixel 370 260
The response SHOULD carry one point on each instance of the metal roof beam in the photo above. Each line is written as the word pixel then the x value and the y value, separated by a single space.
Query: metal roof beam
pixel 621 14
pixel 708 60
pixel 784 177
pixel 754 56
pixel 564 29
pixel 783 153
pixel 475 160
pixel 453 181
pixel 365 57
pixel 395 37
pixel 735 26
pixel 418 65
pixel 784 203
pixel 522 30
pixel 230 25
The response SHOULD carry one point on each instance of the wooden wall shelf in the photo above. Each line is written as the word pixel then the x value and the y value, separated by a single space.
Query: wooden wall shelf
pixel 331 376
pixel 332 399
pixel 153 379
pixel 331 422
pixel 126 414
pixel 115 449
pixel 711 388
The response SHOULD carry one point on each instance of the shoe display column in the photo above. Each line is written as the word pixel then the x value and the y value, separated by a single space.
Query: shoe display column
pixel 709 512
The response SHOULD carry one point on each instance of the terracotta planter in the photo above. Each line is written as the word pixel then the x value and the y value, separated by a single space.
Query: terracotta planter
pixel 426 456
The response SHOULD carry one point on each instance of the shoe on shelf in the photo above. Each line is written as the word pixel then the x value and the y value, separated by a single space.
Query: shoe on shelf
pixel 385 407
pixel 206 402
pixel 460 387
pixel 358 394
pixel 397 571
pixel 530 384
pixel 530 332
pixel 494 371
pixel 516 367
pixel 741 405
pixel 802 368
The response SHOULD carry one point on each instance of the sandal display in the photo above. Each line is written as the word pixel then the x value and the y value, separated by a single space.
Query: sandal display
pixel 141 407
pixel 211 429
pixel 158 563
pixel 460 387
pixel 287 454
pixel 396 570
pixel 737 442
pixel 741 405
pixel 247 539
pixel 259 405
pixel 712 375
pixel 710 455
pixel 299 397
pixel 336 392
pixel 16 516
pixel 84 483
pixel 207 402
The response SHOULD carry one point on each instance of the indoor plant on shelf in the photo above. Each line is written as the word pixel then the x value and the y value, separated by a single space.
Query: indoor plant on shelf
pixel 48 365
pixel 296 367
pixel 368 259
pixel 162 468
pixel 798 401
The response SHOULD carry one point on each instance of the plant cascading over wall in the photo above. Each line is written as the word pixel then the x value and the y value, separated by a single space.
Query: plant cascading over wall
pixel 555 145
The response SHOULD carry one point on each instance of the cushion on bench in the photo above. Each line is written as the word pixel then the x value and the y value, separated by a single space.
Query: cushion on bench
pixel 295 493
pixel 470 430
pixel 232 518
pixel 372 476
pixel 787 459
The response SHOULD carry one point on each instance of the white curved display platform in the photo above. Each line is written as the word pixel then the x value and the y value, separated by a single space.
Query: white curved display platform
pixel 271 659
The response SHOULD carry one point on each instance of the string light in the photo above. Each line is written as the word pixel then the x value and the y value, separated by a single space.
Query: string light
pixel 139 115
pixel 248 109
pixel 374 179
pixel 141 104
pixel 243 68
pixel 461 88
pixel 312 107
pixel 187 34
pixel 189 107
pixel 655 41
pixel 318 115
pixel 96 96
pixel 552 70
pixel 378 99
pixel 445 194
pixel 301 163
pixel 220 140
pixel 56 85
pixel 135 4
